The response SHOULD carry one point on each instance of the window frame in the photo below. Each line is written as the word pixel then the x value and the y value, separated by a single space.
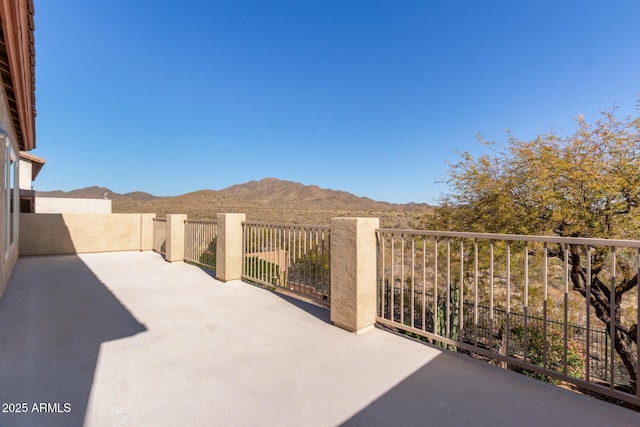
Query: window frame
pixel 11 198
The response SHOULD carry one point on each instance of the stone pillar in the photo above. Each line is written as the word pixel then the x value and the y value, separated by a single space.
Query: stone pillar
pixel 353 272
pixel 175 237
pixel 146 231
pixel 229 246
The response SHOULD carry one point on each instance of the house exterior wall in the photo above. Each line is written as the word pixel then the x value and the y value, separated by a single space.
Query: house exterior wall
pixel 52 205
pixel 17 112
pixel 7 259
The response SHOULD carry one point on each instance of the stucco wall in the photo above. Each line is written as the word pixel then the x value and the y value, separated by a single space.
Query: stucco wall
pixel 25 175
pixel 7 262
pixel 51 234
pixel 59 205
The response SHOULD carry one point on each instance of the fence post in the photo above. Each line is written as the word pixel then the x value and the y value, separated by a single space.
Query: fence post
pixel 229 246
pixel 353 272
pixel 175 237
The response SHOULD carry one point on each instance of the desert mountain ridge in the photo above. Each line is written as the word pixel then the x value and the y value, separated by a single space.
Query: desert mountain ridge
pixel 96 192
pixel 269 200
pixel 271 191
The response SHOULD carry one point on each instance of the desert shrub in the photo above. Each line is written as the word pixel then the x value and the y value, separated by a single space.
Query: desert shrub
pixel 258 268
pixel 208 259
pixel 555 352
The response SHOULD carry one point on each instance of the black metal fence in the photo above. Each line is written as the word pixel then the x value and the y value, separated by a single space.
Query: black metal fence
pixel 486 328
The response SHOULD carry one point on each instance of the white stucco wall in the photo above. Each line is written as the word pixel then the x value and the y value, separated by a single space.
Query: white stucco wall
pixel 25 175
pixel 50 205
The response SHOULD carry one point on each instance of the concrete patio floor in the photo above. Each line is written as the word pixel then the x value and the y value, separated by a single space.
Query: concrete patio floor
pixel 126 339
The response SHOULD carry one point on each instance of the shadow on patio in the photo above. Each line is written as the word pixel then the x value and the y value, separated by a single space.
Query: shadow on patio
pixel 455 390
pixel 54 317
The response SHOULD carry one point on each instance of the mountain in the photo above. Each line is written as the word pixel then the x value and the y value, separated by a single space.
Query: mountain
pixel 139 195
pixel 270 200
pixel 96 192
pixel 272 191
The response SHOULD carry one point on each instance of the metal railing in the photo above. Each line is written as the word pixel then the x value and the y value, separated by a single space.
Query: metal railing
pixel 291 257
pixel 520 300
pixel 200 237
pixel 160 236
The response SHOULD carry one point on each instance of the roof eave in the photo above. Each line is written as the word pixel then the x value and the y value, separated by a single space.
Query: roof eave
pixel 17 67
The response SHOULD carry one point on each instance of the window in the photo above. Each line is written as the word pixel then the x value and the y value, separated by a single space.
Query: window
pixel 11 196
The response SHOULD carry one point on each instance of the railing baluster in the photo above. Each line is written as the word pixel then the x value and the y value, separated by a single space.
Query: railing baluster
pixel 261 247
pixel 545 272
pixel 413 270
pixel 424 284
pixel 475 292
pixel 402 302
pixel 566 309
pixel 507 328
pixel 612 318
pixel 393 278
pixel 294 265
pixel 588 316
pixel 448 296
pixel 491 283
pixel 435 288
pixel 246 248
pixel 316 261
pixel 461 294
pixel 545 349
pixel 526 303
pixel 413 282
pixel 382 273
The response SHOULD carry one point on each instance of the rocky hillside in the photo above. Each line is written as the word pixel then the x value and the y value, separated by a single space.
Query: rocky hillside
pixel 271 191
pixel 269 199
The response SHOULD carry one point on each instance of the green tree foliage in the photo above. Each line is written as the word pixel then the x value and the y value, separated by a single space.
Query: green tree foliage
pixel 583 185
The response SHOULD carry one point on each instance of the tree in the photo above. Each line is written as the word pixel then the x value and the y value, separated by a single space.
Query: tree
pixel 583 185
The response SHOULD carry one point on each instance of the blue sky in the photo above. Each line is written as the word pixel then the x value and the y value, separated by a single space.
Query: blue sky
pixel 371 97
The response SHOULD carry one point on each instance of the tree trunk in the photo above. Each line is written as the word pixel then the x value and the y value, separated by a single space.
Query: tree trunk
pixel 600 300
